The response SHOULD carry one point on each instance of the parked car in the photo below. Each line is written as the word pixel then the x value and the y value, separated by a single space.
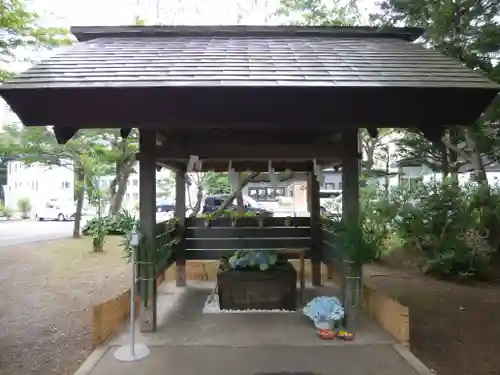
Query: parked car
pixel 165 206
pixel 211 203
pixel 56 211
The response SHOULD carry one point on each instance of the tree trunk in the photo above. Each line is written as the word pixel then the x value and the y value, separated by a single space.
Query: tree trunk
pixel 199 198
pixel 240 206
pixel 476 159
pixel 121 188
pixel 80 196
pixel 386 186
pixel 243 181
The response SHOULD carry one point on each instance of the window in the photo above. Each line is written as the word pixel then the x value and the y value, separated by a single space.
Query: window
pixel 267 194
pixel 330 186
pixel 135 196
pixel 135 182
pixel 65 185
pixel 340 185
pixel 218 201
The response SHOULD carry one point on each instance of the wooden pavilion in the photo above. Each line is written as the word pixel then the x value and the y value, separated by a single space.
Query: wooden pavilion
pixel 246 95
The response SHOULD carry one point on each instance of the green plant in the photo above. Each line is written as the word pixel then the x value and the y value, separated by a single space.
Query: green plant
pixel 261 260
pixel 110 225
pixel 24 207
pixel 446 228
pixel 164 242
pixel 6 212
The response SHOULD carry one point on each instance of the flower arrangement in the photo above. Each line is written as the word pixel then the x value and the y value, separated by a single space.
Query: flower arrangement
pixel 262 260
pixel 324 311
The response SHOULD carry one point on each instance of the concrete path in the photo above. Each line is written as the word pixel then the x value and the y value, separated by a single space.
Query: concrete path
pixel 18 232
pixel 189 342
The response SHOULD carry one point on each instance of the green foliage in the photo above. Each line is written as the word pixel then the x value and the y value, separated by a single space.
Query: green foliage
pixel 445 226
pixel 164 243
pixel 442 221
pixel 215 183
pixel 7 212
pixel 165 187
pixel 110 225
pixel 319 12
pixel 21 29
pixel 24 206
pixel 466 30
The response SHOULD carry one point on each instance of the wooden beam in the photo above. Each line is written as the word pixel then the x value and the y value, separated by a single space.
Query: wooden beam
pixel 248 151
pixel 314 211
pixel 64 133
pixel 147 216
pixel 180 213
pixel 125 132
pixel 351 214
pixel 251 135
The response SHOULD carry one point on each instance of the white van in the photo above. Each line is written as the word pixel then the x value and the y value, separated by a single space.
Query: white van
pixel 54 210
pixel 330 201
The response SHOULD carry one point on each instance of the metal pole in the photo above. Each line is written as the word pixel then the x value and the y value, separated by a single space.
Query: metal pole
pixel 133 351
pixel 132 303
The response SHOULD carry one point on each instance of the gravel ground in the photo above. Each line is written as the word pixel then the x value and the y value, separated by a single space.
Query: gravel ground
pixel 45 301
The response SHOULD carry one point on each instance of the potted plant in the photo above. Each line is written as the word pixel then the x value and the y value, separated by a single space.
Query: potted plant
pixel 261 220
pixel 24 206
pixel 208 219
pixel 234 216
pixel 256 279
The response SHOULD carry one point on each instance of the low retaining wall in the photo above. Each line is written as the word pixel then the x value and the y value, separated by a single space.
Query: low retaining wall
pixel 392 316
pixel 206 270
pixel 108 317
pixel 388 312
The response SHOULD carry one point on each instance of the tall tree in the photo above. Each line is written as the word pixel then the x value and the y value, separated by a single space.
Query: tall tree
pixel 319 12
pixel 21 29
pixel 38 145
pixel 467 30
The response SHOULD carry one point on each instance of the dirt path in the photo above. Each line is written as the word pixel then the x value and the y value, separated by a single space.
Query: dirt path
pixel 44 311
pixel 454 328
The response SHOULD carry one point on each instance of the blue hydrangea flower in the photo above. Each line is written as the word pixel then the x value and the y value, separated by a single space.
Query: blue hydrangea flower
pixel 322 309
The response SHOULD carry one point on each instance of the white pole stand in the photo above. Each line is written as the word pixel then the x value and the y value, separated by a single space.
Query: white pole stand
pixel 133 351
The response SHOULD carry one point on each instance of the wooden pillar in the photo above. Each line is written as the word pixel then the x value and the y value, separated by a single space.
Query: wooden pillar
pixel 352 283
pixel 147 217
pixel 314 211
pixel 180 213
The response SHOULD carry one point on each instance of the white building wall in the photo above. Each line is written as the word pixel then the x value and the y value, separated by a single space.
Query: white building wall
pixel 39 183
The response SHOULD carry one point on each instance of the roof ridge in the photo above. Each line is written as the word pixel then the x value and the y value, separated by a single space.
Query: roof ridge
pixel 86 33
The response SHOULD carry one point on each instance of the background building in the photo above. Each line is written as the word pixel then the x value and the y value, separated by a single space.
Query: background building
pixel 39 183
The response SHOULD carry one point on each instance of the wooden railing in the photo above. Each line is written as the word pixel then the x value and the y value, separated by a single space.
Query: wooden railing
pixel 332 254
pixel 223 236
pixel 164 254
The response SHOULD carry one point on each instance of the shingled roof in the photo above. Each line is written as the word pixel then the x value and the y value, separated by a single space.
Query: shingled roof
pixel 157 74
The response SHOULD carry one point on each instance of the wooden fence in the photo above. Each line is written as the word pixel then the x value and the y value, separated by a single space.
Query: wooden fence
pixel 224 236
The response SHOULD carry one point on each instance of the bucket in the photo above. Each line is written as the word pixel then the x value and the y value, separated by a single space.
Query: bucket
pixel 324 324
